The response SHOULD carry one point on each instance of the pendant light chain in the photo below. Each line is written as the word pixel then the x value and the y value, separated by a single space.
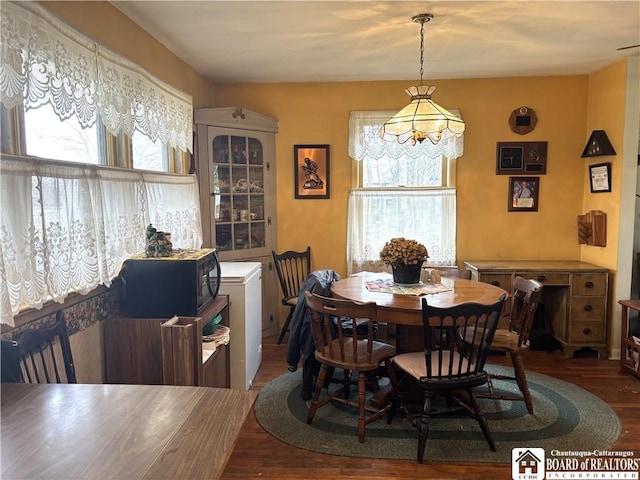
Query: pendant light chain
pixel 421 51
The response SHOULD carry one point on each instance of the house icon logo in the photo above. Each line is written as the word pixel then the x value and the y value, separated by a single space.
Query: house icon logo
pixel 527 464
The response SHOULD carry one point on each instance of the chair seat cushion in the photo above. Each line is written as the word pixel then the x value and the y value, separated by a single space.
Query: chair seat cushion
pixel 415 365
pixel 379 352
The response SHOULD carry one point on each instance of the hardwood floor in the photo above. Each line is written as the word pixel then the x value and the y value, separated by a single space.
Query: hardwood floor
pixel 259 455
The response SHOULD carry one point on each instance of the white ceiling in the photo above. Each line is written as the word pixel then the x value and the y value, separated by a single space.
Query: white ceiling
pixel 320 41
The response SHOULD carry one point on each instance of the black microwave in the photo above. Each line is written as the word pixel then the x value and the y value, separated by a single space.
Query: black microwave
pixel 184 284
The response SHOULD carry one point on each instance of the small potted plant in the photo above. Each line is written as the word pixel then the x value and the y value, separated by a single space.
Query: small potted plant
pixel 406 258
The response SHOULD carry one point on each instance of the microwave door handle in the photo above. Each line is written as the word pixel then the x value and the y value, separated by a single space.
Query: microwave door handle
pixel 211 292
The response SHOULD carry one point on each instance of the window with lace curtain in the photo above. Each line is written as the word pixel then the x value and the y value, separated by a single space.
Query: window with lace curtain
pixel 403 191
pixel 67 222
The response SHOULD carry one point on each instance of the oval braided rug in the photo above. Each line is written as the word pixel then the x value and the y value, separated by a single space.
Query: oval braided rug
pixel 566 417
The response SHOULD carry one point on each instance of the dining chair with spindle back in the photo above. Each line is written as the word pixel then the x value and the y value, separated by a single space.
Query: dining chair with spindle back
pixel 292 268
pixel 444 369
pixel 45 354
pixel 351 353
pixel 514 340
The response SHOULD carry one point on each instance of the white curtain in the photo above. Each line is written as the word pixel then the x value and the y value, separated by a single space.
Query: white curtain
pixel 375 216
pixel 364 140
pixel 68 227
pixel 45 61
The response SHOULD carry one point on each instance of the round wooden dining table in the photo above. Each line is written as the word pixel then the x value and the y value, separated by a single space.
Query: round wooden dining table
pixel 403 309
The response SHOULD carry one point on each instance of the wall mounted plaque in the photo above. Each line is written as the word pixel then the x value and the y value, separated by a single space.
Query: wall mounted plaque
pixel 521 157
pixel 523 120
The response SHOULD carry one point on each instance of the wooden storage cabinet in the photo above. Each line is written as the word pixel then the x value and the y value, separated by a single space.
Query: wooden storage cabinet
pixel 236 172
pixel 574 297
pixel 134 350
pixel 629 349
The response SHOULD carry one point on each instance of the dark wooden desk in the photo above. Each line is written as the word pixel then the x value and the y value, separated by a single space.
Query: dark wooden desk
pixel 118 431
pixel 407 309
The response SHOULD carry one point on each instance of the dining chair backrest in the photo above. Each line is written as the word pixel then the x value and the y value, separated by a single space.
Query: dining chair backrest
pixel 45 354
pixel 447 359
pixel 451 271
pixel 524 304
pixel 332 342
pixel 292 268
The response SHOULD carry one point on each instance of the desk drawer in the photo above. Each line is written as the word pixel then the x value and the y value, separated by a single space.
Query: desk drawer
pixel 546 278
pixel 586 332
pixel 588 308
pixel 502 280
pixel 589 284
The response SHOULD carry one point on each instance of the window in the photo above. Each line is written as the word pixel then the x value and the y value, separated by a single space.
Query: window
pixel 147 154
pixel 67 221
pixel 403 191
pixel 47 136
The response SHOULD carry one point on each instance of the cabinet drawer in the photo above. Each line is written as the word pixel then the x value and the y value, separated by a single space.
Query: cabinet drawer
pixel 586 332
pixel 546 278
pixel 589 284
pixel 588 308
pixel 502 280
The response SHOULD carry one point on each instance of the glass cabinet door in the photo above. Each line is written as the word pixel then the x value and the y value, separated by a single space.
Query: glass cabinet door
pixel 238 193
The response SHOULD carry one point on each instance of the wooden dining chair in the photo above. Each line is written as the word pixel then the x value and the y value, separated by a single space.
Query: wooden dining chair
pixel 443 369
pixel 292 268
pixel 451 271
pixel 335 349
pixel 45 354
pixel 514 340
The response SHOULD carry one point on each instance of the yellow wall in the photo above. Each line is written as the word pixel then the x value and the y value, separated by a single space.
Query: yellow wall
pixel 111 28
pixel 318 113
pixel 606 106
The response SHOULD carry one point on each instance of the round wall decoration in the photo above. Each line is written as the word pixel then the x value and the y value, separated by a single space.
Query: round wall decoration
pixel 523 120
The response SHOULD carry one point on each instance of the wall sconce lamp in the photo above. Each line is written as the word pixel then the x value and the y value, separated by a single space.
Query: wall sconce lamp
pixel 598 145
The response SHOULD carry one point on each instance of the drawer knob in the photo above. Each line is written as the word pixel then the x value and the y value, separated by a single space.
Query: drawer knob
pixel 588 284
pixel 495 283
pixel 542 278
pixel 587 331
pixel 588 308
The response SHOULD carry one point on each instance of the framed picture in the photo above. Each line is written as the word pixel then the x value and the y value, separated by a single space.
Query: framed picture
pixel 600 175
pixel 311 171
pixel 521 157
pixel 523 194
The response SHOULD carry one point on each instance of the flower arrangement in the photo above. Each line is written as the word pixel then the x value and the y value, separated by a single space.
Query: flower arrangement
pixel 402 251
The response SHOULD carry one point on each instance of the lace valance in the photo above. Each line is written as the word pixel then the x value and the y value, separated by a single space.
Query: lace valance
pixel 364 140
pixel 46 61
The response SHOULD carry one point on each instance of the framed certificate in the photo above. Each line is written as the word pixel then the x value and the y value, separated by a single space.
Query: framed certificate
pixel 600 176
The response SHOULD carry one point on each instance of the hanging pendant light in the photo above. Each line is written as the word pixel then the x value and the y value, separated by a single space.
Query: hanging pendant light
pixel 422 118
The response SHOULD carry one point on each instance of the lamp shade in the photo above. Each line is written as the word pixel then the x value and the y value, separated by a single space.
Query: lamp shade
pixel 421 119
pixel 598 145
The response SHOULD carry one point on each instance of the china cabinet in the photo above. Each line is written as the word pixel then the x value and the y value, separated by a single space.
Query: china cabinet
pixel 236 169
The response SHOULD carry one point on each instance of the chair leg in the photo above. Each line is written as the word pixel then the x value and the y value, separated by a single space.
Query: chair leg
pixel 521 379
pixel 285 327
pixel 480 418
pixel 362 385
pixel 423 427
pixel 319 385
